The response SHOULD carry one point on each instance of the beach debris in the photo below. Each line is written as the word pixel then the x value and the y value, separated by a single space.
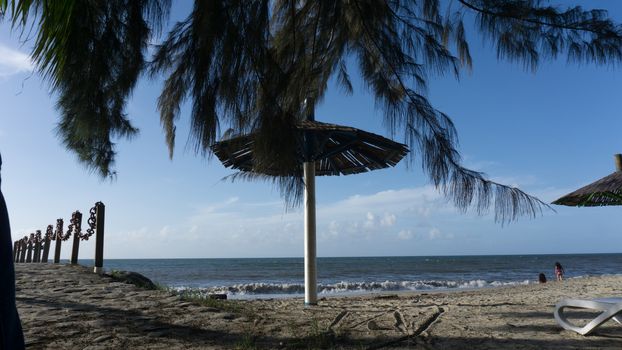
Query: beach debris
pixel 400 325
pixel 102 338
pixel 419 331
pixel 132 278
pixel 338 319
pixel 217 296
pixel 228 316
pixel 386 296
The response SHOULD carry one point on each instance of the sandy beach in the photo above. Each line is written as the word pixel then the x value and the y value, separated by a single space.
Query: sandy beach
pixel 68 307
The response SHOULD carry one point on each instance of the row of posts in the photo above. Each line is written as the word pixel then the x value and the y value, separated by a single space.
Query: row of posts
pixel 36 247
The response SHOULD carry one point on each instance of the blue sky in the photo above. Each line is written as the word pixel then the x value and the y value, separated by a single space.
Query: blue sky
pixel 548 133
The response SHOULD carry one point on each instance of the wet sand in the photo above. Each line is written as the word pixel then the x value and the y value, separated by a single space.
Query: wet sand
pixel 69 307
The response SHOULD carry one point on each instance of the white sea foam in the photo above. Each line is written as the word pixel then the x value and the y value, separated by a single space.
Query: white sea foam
pixel 345 287
pixel 281 277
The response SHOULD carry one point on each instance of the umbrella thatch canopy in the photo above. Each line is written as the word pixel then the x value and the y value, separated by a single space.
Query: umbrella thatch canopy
pixel 321 149
pixel 606 191
pixel 336 150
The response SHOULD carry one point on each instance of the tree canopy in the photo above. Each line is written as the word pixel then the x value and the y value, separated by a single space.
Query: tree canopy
pixel 260 66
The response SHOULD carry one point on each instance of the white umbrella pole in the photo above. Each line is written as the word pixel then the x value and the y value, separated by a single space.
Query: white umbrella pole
pixel 310 251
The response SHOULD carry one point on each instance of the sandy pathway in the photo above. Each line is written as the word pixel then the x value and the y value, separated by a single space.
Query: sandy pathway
pixel 68 307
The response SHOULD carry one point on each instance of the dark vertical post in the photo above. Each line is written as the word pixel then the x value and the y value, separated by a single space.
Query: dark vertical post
pixel 37 257
pixel 100 212
pixel 47 241
pixel 29 253
pixel 77 224
pixel 22 257
pixel 618 159
pixel 36 249
pixel 59 240
pixel 15 250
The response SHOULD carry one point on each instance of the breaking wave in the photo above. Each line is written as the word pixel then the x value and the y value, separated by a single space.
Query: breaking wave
pixel 250 289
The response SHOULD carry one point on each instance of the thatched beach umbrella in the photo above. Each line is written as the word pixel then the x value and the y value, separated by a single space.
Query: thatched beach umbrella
pixel 321 149
pixel 606 191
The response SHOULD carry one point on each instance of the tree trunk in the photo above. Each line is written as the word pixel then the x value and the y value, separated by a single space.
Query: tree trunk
pixel 11 336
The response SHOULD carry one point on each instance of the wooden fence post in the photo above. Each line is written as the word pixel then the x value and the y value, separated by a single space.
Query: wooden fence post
pixel 76 224
pixel 29 253
pixel 37 257
pixel 15 251
pixel 22 257
pixel 47 241
pixel 100 212
pixel 35 251
pixel 58 236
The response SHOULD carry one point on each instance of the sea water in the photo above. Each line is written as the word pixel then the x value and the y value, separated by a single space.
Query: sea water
pixel 284 277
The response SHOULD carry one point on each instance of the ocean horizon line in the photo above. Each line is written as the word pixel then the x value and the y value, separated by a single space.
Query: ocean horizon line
pixel 359 256
pixel 343 275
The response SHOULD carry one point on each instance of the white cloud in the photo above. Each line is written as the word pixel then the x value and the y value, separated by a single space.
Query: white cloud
pixel 434 233
pixel 234 227
pixel 423 212
pixel 409 202
pixel 13 62
pixel 332 232
pixel 388 220
pixel 232 200
pixel 334 227
pixel 370 220
pixel 406 234
pixel 132 236
pixel 166 231
pixel 389 200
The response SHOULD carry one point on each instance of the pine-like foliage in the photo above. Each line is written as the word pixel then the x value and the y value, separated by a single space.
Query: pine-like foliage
pixel 527 32
pixel 260 66
pixel 92 52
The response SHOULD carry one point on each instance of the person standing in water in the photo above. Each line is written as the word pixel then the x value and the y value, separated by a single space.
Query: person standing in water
pixel 559 271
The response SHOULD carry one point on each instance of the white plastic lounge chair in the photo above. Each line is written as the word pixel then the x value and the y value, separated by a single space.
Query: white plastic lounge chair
pixel 611 309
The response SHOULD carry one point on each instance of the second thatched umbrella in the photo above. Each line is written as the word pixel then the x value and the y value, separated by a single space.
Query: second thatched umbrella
pixel 321 149
pixel 606 191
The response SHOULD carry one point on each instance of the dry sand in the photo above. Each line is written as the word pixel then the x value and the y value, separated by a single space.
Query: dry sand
pixel 68 307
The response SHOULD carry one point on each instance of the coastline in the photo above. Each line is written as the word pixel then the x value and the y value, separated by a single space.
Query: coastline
pixel 243 278
pixel 69 307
